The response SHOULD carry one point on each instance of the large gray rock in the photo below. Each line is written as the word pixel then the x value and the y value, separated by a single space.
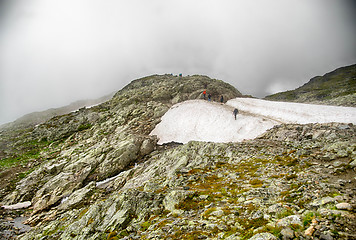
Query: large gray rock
pixel 263 236
pixel 78 197
pixel 290 220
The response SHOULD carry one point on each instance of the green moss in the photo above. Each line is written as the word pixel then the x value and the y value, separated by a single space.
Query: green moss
pixel 84 126
pixel 145 225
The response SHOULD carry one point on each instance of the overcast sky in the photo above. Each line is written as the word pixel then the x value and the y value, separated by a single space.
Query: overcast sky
pixel 55 52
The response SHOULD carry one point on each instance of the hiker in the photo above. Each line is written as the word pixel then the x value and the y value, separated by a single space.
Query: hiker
pixel 236 112
pixel 222 99
pixel 209 97
pixel 204 94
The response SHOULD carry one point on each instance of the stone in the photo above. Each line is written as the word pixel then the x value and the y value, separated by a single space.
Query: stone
pixel 77 197
pixel 326 236
pixel 148 145
pixel 338 164
pixel 263 236
pixel 321 202
pixel 288 221
pixel 353 164
pixel 275 208
pixel 309 231
pixel 217 213
pixel 173 198
pixel 344 206
pixel 257 214
pixel 287 233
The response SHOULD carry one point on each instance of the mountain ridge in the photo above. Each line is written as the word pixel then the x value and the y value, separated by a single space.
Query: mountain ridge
pixel 334 88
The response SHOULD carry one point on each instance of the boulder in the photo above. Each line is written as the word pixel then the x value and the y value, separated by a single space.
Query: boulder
pixel 344 206
pixel 263 236
pixel 290 220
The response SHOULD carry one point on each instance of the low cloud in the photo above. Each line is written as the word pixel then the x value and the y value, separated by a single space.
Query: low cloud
pixel 57 52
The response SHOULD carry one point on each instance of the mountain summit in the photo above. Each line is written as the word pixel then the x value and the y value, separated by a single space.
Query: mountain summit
pixel 98 172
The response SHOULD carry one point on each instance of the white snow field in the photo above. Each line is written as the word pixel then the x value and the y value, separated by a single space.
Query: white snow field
pixel 205 121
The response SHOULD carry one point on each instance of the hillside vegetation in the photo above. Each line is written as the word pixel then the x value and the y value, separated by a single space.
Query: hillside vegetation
pixel 335 88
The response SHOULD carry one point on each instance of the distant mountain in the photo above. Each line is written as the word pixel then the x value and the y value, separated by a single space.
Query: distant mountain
pixel 335 88
pixel 42 116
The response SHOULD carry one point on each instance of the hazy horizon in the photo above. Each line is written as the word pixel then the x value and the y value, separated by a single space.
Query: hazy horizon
pixel 58 52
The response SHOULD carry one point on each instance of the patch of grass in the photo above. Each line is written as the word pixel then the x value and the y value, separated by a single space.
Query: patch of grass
pixel 308 217
pixel 27 150
pixel 276 231
pixel 284 213
pixel 191 202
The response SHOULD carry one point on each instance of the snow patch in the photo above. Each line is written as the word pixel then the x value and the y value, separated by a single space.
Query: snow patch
pixel 17 205
pixel 295 112
pixel 98 184
pixel 199 120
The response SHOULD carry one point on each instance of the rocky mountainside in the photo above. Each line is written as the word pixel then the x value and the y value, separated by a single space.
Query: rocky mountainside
pixel 97 174
pixel 335 88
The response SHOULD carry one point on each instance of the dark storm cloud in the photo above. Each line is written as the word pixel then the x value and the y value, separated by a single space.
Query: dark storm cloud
pixel 56 52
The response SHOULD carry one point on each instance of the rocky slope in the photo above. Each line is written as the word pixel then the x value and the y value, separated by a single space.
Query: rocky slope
pixel 98 174
pixel 335 88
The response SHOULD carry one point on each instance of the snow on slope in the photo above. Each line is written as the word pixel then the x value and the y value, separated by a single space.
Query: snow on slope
pixel 200 120
pixel 295 112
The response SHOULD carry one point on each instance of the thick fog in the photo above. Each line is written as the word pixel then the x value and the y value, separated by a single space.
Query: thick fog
pixel 55 52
